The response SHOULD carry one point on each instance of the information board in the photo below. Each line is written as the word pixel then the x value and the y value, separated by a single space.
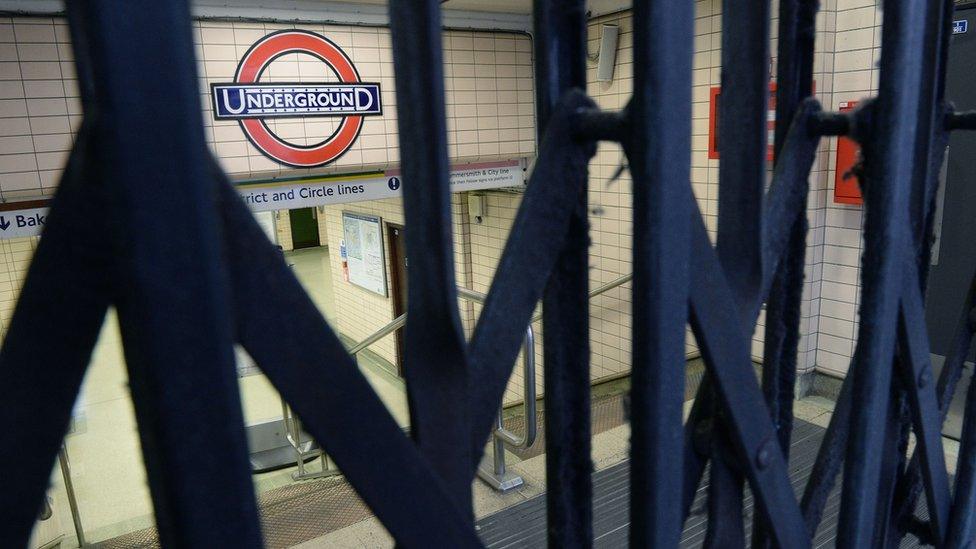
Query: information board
pixel 267 222
pixel 363 238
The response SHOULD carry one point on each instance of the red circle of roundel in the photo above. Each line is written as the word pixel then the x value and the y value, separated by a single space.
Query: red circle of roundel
pixel 253 64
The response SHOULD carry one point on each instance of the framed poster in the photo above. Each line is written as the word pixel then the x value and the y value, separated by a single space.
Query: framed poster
pixel 268 225
pixel 363 237
pixel 713 145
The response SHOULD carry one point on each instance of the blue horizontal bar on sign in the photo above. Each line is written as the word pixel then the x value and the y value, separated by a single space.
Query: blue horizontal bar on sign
pixel 239 101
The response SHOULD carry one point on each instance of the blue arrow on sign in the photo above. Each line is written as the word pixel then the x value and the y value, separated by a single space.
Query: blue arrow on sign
pixel 393 183
pixel 4 224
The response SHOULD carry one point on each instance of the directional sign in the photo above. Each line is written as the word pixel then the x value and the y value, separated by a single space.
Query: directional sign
pixel 487 175
pixel 343 189
pixel 263 196
pixel 21 223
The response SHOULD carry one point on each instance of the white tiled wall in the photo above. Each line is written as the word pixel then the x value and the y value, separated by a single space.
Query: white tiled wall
pixel 857 48
pixel 490 108
pixel 489 95
pixel 487 74
pixel 39 106
pixel 15 257
pixel 488 88
pixel 610 214
pixel 847 48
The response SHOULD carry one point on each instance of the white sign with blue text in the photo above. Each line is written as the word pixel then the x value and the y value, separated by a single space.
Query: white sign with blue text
pixel 305 193
pixel 21 223
pixel 267 196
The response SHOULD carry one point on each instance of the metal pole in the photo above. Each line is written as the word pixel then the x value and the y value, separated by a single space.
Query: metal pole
pixel 499 445
pixel 498 476
pixel 293 438
pixel 69 488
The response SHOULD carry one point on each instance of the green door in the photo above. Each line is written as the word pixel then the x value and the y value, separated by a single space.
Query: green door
pixel 304 228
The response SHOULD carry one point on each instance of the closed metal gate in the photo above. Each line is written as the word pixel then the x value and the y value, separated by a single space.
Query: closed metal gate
pixel 182 267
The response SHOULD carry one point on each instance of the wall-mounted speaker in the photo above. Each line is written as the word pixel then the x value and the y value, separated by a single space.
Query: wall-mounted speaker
pixel 607 58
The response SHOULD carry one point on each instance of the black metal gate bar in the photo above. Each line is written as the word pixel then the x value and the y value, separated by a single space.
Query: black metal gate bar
pixel 435 364
pixel 659 152
pixel 560 43
pixel 909 488
pixel 66 269
pixel 888 156
pixel 422 492
pixel 927 464
pixel 918 379
pixel 742 133
pixel 913 354
pixel 297 345
pixel 794 82
pixel 542 223
pixel 164 230
pixel 932 130
pixel 745 81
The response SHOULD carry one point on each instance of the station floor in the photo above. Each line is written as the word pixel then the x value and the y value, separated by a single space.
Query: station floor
pixel 110 481
pixel 103 447
pixel 516 520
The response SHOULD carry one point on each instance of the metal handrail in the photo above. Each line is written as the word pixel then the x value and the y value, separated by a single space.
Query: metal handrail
pixel 401 320
pixel 528 353
pixel 386 330
pixel 501 435
pixel 528 384
pixel 620 281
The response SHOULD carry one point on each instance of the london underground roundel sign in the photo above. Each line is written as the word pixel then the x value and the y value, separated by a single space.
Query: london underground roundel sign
pixel 252 102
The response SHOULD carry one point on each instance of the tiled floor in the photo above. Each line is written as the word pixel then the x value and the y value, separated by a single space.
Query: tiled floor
pixel 106 461
pixel 110 479
pixel 609 448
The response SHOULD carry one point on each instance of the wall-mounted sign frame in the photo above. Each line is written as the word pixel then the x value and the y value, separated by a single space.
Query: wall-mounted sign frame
pixel 362 235
pixel 305 192
pixel 847 188
pixel 27 218
pixel 713 112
